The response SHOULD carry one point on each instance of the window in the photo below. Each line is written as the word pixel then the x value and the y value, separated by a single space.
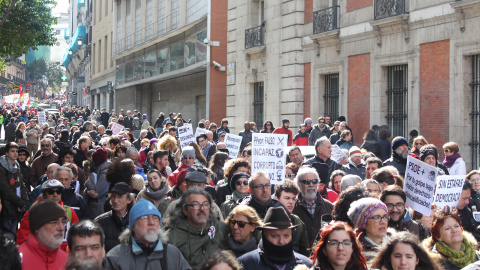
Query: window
pixel 332 90
pixel 105 44
pixel 261 14
pixel 161 18
pixel 93 58
pixel 258 97
pixel 196 9
pixel 175 20
pixel 58 32
pixel 128 24
pixel 100 3
pixel 475 84
pixel 149 20
pixel 397 90
pixel 100 55
pixel 138 22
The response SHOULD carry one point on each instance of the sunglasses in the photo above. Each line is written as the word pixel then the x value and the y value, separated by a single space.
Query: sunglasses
pixel 289 175
pixel 446 151
pixel 241 224
pixel 52 191
pixel 308 182
pixel 45 145
pixel 239 183
pixel 23 154
pixel 188 158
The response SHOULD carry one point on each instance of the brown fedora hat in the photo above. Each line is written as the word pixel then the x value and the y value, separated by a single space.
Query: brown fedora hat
pixel 277 218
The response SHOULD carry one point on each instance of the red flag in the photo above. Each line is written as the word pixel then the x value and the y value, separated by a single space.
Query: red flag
pixel 21 92
pixel 28 102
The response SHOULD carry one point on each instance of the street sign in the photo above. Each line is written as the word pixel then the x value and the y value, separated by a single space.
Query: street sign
pixel 109 87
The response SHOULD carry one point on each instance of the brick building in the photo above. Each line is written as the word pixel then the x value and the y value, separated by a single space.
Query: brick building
pixel 407 64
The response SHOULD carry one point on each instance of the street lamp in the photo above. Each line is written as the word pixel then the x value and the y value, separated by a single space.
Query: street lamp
pixel 80 41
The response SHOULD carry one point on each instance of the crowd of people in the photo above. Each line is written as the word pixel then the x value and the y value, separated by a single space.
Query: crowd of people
pixel 74 195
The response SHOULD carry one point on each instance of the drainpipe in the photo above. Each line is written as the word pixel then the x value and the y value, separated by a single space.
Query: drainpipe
pixel 209 56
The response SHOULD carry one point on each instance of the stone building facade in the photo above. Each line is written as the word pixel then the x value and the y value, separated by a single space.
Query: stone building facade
pixel 407 64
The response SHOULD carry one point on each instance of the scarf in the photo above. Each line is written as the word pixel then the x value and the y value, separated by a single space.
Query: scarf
pixel 237 195
pixel 156 194
pixel 279 255
pixel 9 167
pixel 448 162
pixel 240 249
pixel 459 258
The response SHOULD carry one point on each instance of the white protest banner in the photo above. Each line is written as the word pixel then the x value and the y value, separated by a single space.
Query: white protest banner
pixel 268 155
pixel 200 131
pixel 419 185
pixel 116 128
pixel 41 117
pixel 449 189
pixel 233 144
pixel 337 154
pixel 185 135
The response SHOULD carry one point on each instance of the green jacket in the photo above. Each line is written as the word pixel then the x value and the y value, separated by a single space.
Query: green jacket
pixel 197 245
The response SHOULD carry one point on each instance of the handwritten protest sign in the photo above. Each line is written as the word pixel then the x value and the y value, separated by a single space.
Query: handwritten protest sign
pixel 449 189
pixel 185 135
pixel 337 154
pixel 41 117
pixel 419 185
pixel 116 128
pixel 199 131
pixel 233 144
pixel 268 155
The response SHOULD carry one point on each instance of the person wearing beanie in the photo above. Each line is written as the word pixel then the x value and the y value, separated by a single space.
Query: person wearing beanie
pixel 318 131
pixel 429 154
pixel 369 217
pixel 308 125
pixel 188 159
pixel 141 246
pixel 51 190
pixel 285 130
pixel 145 123
pixel 356 164
pixel 275 250
pixel 47 223
pixel 400 152
pixel 97 187
pixel 239 185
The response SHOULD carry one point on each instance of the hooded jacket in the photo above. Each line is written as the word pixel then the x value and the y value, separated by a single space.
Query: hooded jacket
pixel 316 134
pixel 352 168
pixel 398 162
pixel 11 180
pixel 300 139
pixel 112 226
pixel 38 257
pixel 195 244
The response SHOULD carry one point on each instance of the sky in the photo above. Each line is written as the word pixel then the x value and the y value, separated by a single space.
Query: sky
pixel 62 6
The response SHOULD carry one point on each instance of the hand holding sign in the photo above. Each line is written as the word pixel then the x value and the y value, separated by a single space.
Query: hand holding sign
pixel 419 185
pixel 449 189
pixel 185 135
pixel 268 155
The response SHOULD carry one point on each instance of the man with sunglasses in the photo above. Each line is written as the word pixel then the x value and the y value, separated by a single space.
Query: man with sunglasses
pixel 40 163
pixel 51 190
pixel 194 228
pixel 310 205
pixel 261 194
pixel 400 218
pixel 188 159
pixel 318 131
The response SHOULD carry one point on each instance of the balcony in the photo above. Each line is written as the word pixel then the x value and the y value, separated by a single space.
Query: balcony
pixel 254 37
pixel 389 8
pixel 325 20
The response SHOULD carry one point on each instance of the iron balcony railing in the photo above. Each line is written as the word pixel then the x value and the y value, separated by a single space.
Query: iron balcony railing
pixel 325 20
pixel 389 8
pixel 254 37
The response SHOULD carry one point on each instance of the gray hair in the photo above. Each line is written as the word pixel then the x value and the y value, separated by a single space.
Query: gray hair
pixel 349 180
pixel 392 169
pixel 370 181
pixel 304 171
pixel 320 142
pixel 143 132
pixel 101 126
pixel 131 150
pixel 255 176
pixel 61 168
pixel 46 139
pixel 177 215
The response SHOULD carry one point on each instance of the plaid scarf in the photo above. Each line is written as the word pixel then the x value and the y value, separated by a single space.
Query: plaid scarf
pixel 459 258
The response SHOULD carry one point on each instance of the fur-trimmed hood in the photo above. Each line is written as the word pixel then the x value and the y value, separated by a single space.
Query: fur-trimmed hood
pixel 126 235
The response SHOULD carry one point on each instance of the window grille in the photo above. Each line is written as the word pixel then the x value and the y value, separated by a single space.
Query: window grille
pixel 475 114
pixel 331 95
pixel 397 95
pixel 258 97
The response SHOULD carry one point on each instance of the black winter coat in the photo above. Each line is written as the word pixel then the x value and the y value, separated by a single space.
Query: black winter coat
pixel 112 226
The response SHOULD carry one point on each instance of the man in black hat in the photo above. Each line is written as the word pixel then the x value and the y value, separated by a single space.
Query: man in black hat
pixel 115 221
pixel 275 250
pixel 285 130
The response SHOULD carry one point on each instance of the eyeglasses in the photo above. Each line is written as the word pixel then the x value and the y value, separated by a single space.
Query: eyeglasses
pixel 289 175
pixel 52 191
pixel 399 206
pixel 471 180
pixel 241 224
pixel 262 186
pixel 377 218
pixel 146 218
pixel 308 182
pixel 239 183
pixel 336 244
pixel 321 122
pixel 197 206
pixel 418 143
pixel 45 145
pixel 22 154
pixel 268 125
pixel 185 157
pixel 200 141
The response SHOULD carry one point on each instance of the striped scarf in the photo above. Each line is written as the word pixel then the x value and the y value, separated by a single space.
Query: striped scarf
pixel 459 258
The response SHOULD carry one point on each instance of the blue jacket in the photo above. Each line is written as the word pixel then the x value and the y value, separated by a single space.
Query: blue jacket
pixel 257 260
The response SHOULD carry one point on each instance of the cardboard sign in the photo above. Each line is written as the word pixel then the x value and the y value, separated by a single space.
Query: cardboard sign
pixel 200 131
pixel 419 185
pixel 116 128
pixel 233 144
pixel 41 117
pixel 337 154
pixel 268 155
pixel 449 189
pixel 185 135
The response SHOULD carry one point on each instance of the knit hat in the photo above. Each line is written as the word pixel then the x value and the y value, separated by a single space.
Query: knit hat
pixel 140 209
pixel 342 118
pixel 188 151
pixel 285 121
pixel 23 149
pixel 152 141
pixel 220 132
pixel 42 212
pixel 427 152
pixel 397 142
pixel 308 120
pixel 196 177
pixel 361 210
pixel 354 152
pixel 181 176
pixel 236 177
pixel 100 155
pixel 144 116
pixel 50 184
